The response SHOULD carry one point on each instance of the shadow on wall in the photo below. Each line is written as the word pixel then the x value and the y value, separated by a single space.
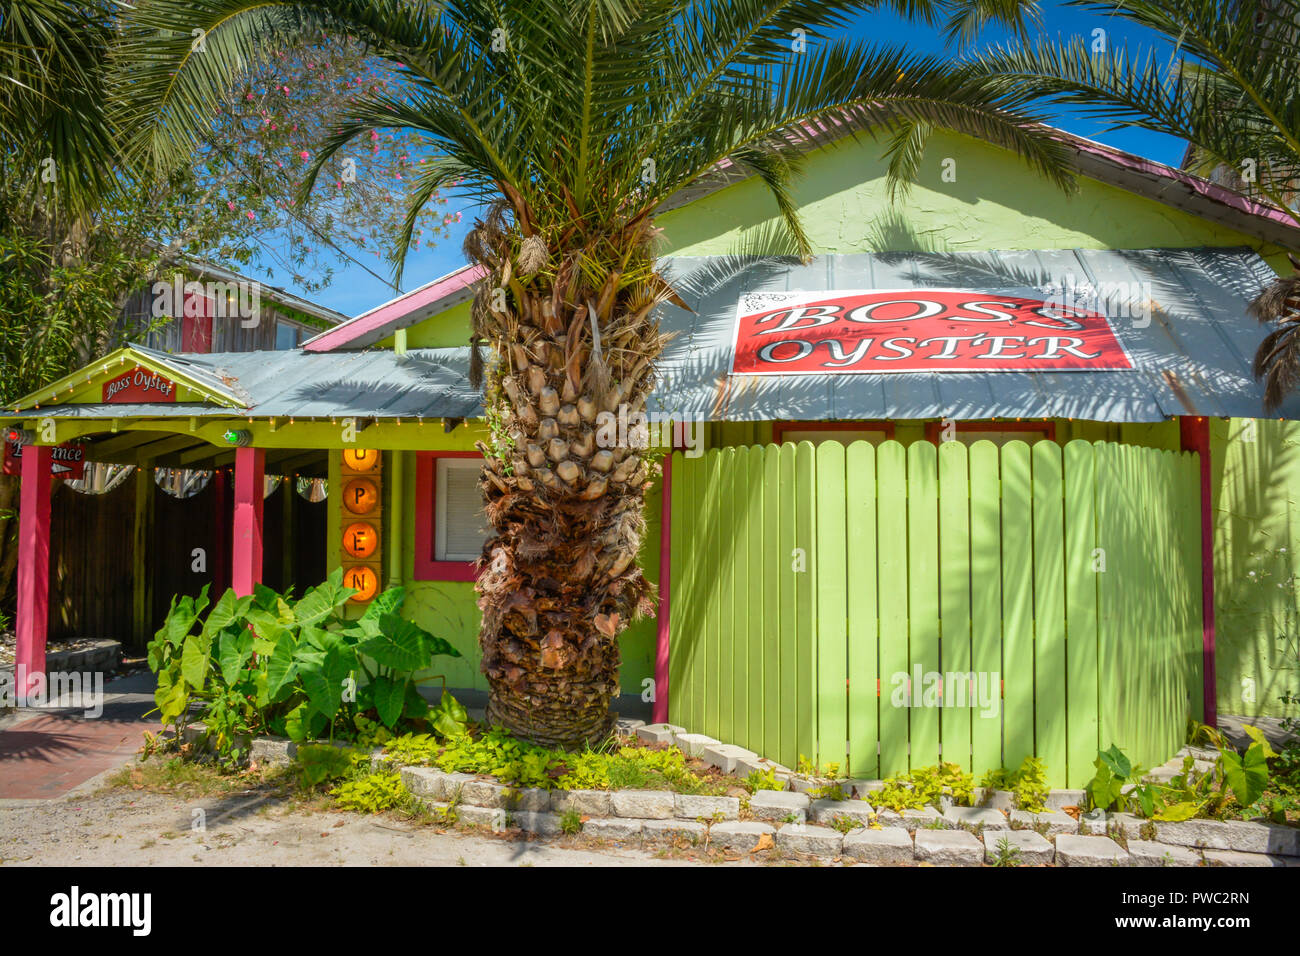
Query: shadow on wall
pixel 1256 482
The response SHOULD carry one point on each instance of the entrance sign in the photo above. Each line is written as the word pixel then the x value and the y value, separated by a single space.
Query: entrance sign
pixel 918 330
pixel 139 385
pixel 67 461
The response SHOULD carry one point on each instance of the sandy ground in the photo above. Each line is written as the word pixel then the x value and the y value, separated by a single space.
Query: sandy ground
pixel 125 827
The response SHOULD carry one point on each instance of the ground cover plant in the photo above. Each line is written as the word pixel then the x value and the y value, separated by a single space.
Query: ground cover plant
pixel 1257 783
pixel 923 787
pixel 1028 784
pixel 269 664
pixel 617 764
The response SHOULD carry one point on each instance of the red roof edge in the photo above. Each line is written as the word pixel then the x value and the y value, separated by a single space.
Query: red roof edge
pixel 377 318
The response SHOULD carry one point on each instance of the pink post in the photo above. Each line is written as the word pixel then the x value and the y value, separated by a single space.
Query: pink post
pixel 1195 433
pixel 33 568
pixel 247 545
pixel 660 710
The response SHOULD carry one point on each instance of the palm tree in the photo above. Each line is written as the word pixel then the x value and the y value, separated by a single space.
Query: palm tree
pixel 571 122
pixel 58 146
pixel 1230 90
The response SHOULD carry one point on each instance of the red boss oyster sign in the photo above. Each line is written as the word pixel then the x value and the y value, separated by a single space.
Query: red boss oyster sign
pixel 139 385
pixel 918 330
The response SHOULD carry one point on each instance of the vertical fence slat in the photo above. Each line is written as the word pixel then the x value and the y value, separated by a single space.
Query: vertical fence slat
pixel 832 608
pixel 954 599
pixel 805 516
pixel 755 667
pixel 860 519
pixel 986 604
pixel 718 708
pixel 1017 605
pixel 789 697
pixel 680 599
pixel 1081 613
pixel 1109 624
pixel 923 601
pixel 737 723
pixel 772 612
pixel 891 522
pixel 1049 612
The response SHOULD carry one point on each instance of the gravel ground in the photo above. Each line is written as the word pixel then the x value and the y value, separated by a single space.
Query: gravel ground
pixel 125 827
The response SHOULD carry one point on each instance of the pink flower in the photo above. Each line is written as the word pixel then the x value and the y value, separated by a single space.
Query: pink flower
pixel 303 155
pixel 251 215
pixel 374 135
pixel 230 205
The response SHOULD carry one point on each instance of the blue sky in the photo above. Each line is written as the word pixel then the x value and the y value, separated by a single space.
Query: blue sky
pixel 354 290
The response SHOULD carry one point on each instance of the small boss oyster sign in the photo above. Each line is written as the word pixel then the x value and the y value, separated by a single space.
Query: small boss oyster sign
pixel 139 385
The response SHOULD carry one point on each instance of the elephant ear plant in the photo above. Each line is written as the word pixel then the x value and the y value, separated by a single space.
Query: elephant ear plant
pixel 266 663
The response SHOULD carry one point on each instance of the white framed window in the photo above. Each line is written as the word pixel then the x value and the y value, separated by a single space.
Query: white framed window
pixel 458 523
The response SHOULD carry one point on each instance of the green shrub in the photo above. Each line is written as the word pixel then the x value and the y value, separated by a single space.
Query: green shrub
pixel 267 663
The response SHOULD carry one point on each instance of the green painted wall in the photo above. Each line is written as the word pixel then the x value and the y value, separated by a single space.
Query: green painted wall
pixel 1256 473
pixel 995 203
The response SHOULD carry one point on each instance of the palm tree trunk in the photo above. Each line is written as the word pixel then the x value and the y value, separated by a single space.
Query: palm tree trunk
pixel 564 496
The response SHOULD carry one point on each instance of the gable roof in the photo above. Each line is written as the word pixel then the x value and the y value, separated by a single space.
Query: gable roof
pixel 1106 164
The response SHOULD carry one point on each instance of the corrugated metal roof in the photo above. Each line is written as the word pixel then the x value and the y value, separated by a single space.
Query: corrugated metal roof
pixel 1192 358
pixel 427 383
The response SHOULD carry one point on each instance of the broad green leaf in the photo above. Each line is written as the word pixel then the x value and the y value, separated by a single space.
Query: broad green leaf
pixel 297 723
pixel 281 668
pixel 233 652
pixel 265 624
pixel 172 702
pixel 1118 763
pixel 264 597
pixel 227 611
pixel 1177 812
pixel 389 696
pixel 1257 735
pixel 196 658
pixel 324 684
pixel 416 705
pixel 399 645
pixel 321 601
pixel 1247 775
pixel 436 646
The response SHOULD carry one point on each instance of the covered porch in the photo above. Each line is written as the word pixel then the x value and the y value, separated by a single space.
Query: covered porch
pixel 249 439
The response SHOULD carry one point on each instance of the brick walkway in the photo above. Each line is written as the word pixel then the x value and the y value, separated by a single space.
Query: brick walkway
pixel 44 755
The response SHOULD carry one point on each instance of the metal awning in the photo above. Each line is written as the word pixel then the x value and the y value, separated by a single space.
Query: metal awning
pixel 1193 356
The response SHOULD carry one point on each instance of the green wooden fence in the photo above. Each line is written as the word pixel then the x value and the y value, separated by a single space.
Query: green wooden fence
pixel 816 591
